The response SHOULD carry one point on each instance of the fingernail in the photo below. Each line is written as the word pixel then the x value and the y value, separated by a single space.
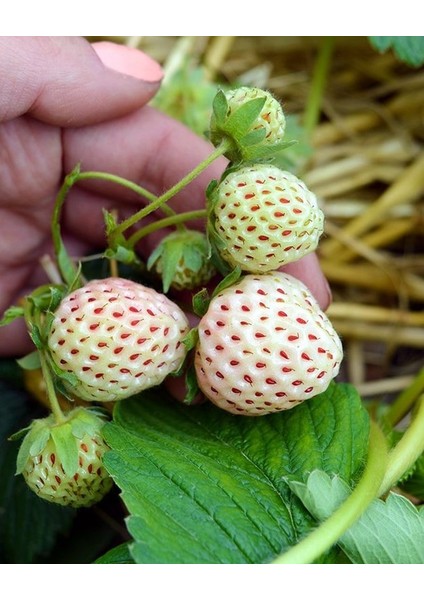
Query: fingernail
pixel 128 61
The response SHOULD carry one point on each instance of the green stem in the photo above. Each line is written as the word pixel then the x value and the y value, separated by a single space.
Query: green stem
pixel 167 222
pixel 67 267
pixel 406 451
pixel 120 181
pixel 327 534
pixel 403 403
pixel 159 202
pixel 51 392
pixel 319 78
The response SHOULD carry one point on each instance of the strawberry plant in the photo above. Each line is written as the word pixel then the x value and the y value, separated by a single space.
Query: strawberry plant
pixel 202 481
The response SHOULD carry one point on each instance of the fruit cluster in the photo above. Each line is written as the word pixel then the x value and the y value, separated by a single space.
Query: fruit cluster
pixel 262 344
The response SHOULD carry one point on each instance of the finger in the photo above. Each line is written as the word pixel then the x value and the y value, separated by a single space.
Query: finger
pixel 66 81
pixel 146 147
pixel 308 270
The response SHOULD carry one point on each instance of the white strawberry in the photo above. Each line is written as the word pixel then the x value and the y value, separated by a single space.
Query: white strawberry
pixel 263 218
pixel 116 338
pixel 265 346
pixel 62 462
pixel 250 120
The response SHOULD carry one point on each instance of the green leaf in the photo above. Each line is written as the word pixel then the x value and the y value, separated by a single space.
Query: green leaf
pixel 389 532
pixel 228 280
pixel 268 153
pixel 241 120
pixel 12 313
pixel 120 555
pixel 87 421
pixel 110 222
pixel 201 301
pixel 63 376
pixel 192 386
pixel 254 137
pixel 66 447
pixel 122 254
pixel 31 361
pixel 220 107
pixel 409 49
pixel 191 339
pixel 36 336
pixel 29 526
pixel 204 486
pixel 194 256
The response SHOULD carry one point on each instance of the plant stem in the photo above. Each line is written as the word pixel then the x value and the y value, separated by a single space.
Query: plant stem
pixel 406 399
pixel 167 222
pixel 159 202
pixel 327 534
pixel 319 78
pixel 406 451
pixel 120 181
pixel 51 392
pixel 67 267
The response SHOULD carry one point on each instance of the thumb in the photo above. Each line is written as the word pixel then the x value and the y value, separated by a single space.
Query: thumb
pixel 66 81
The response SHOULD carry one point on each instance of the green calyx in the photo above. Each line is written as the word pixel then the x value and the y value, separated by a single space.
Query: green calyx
pixel 182 260
pixel 78 423
pixel 251 121
pixel 62 462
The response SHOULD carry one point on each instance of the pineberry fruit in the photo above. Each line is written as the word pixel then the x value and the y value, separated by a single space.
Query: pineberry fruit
pixel 115 338
pixel 62 463
pixel 262 218
pixel 265 346
pixel 251 122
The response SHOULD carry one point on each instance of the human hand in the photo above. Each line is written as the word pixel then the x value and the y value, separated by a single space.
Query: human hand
pixel 65 102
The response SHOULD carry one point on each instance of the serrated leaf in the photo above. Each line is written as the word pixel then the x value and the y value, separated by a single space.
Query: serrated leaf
pixel 389 532
pixel 31 361
pixel 204 486
pixel 409 49
pixel 66 447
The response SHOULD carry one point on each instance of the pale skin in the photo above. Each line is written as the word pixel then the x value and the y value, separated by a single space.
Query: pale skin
pixel 65 102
